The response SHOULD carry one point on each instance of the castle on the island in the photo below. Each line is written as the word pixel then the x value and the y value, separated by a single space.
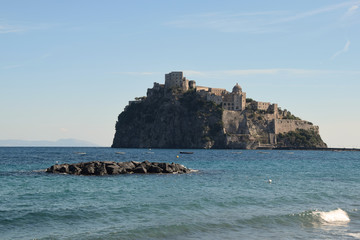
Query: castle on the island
pixel 256 128
pixel 235 100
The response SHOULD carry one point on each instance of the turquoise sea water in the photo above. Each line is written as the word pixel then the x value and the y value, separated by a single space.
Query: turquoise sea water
pixel 313 195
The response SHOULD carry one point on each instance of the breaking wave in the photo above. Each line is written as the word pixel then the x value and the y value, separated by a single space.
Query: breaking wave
pixel 333 217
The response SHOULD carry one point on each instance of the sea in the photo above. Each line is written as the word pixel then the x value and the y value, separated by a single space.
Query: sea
pixel 236 194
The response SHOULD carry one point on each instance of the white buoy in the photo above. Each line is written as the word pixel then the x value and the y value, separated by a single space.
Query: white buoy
pixel 270 181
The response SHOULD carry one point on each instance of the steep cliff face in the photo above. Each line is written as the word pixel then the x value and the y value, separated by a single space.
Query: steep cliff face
pixel 168 120
pixel 248 129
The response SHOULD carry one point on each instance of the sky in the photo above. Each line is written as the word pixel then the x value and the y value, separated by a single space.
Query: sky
pixel 68 68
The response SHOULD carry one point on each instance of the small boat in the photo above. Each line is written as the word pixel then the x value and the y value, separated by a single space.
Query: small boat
pixel 120 152
pixel 80 153
pixel 186 152
pixel 236 152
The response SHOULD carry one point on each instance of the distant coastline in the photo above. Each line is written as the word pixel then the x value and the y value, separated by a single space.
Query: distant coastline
pixel 70 142
pixel 320 149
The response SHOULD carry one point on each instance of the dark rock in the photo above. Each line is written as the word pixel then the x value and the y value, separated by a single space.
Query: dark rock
pixel 100 169
pixel 165 167
pixel 73 169
pixel 140 169
pixel 112 168
pixel 155 169
pixel 128 166
pixel 136 163
pixel 88 169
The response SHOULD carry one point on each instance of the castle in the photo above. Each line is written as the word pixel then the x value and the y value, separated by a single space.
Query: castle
pixel 245 123
pixel 235 100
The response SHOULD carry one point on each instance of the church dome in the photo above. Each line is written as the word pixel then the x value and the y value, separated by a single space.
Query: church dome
pixel 237 89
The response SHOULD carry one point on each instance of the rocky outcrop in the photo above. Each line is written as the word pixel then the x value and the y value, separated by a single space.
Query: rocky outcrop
pixel 300 138
pixel 170 120
pixel 112 168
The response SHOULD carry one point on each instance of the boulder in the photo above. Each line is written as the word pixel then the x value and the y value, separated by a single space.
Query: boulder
pixel 154 169
pixel 88 169
pixel 112 168
pixel 140 169
pixel 73 169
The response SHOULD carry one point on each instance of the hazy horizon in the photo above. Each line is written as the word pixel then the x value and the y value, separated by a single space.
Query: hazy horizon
pixel 69 142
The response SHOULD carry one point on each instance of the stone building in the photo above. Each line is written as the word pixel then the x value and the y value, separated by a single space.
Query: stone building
pixel 156 88
pixel 177 80
pixel 264 106
pixel 236 100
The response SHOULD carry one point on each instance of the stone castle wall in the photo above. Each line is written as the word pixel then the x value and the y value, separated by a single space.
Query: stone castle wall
pixel 287 125
pixel 234 122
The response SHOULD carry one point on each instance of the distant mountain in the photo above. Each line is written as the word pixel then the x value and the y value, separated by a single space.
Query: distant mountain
pixel 43 143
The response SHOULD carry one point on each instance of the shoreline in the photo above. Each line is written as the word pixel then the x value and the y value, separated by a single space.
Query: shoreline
pixel 260 148
pixel 319 149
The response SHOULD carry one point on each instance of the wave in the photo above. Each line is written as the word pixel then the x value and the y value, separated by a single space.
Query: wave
pixel 316 218
pixel 311 218
pixel 337 216
pixel 202 228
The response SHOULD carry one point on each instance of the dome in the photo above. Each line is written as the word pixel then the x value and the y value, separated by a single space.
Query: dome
pixel 237 89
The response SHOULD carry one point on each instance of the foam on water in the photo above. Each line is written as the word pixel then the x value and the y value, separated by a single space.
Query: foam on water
pixel 334 216
pixel 354 235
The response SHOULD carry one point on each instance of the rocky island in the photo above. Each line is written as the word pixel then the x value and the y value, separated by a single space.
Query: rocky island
pixel 180 114
pixel 98 168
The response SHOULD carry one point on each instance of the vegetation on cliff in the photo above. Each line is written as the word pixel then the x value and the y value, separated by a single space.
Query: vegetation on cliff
pixel 300 139
pixel 169 120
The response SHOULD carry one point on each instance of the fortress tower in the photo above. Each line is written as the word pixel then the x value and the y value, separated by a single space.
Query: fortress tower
pixel 236 100
pixel 177 80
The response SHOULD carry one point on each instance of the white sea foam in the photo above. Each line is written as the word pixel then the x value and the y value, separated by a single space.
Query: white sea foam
pixel 333 217
pixel 354 235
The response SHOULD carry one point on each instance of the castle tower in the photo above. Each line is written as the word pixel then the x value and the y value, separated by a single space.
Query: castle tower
pixel 236 100
pixel 237 89
pixel 192 84
pixel 174 79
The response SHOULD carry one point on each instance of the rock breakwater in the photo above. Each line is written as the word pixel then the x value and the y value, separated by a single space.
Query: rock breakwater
pixel 100 168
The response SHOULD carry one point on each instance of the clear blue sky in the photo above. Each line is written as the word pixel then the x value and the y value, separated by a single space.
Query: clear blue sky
pixel 68 68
